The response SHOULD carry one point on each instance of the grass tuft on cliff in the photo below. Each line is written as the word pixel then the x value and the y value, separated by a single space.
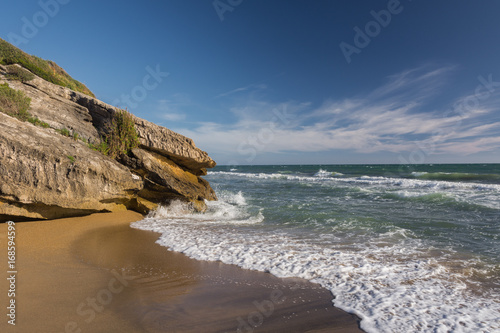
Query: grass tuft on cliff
pixel 19 74
pixel 121 137
pixel 14 103
pixel 46 69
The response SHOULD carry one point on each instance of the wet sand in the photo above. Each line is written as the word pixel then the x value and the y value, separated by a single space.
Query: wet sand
pixel 96 274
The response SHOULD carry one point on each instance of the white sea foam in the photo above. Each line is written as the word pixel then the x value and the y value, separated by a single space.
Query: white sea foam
pixel 394 286
pixel 322 173
pixel 459 191
pixel 325 174
pixel 229 209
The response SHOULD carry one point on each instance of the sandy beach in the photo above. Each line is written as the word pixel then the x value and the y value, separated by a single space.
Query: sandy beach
pixel 96 274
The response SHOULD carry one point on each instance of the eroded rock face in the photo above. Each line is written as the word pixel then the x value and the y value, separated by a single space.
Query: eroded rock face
pixel 45 175
pixel 90 117
pixel 177 147
pixel 50 104
pixel 162 175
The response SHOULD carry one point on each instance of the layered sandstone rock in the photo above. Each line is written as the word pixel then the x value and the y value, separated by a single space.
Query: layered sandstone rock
pixel 45 175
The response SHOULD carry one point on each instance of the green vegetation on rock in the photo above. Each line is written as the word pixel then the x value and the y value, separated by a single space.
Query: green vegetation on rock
pixel 48 70
pixel 37 122
pixel 64 131
pixel 122 136
pixel 102 147
pixel 19 73
pixel 14 103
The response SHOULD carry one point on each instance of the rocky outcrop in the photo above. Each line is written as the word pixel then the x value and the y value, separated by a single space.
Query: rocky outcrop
pixel 50 103
pixel 177 147
pixel 162 175
pixel 91 117
pixel 45 175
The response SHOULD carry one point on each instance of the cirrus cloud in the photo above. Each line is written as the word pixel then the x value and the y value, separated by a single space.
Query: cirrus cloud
pixel 394 118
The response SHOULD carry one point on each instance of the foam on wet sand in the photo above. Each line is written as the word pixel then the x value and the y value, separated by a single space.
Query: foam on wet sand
pixel 96 274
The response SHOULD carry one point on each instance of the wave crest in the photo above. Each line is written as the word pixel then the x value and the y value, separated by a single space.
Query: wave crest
pixel 230 208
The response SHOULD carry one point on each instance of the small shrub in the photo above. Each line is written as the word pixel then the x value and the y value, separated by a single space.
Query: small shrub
pixel 37 122
pixel 122 136
pixel 102 147
pixel 14 102
pixel 75 136
pixel 71 158
pixel 64 131
pixel 20 74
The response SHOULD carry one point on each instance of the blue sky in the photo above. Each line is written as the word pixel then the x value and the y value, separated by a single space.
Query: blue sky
pixel 287 81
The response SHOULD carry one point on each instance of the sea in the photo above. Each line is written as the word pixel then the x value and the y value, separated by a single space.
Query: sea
pixel 407 248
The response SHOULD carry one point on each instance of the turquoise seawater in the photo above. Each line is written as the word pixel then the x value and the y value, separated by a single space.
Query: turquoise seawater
pixel 412 248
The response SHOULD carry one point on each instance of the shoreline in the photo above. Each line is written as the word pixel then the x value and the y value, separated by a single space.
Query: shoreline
pixel 97 274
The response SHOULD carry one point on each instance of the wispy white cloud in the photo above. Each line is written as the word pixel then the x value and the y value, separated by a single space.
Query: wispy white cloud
pixel 393 118
pixel 250 87
pixel 418 84
pixel 173 116
pixel 170 109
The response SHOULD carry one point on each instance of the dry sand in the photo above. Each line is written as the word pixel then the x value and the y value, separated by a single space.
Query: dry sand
pixel 96 274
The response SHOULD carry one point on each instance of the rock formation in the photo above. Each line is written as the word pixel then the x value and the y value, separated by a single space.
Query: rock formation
pixel 45 175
